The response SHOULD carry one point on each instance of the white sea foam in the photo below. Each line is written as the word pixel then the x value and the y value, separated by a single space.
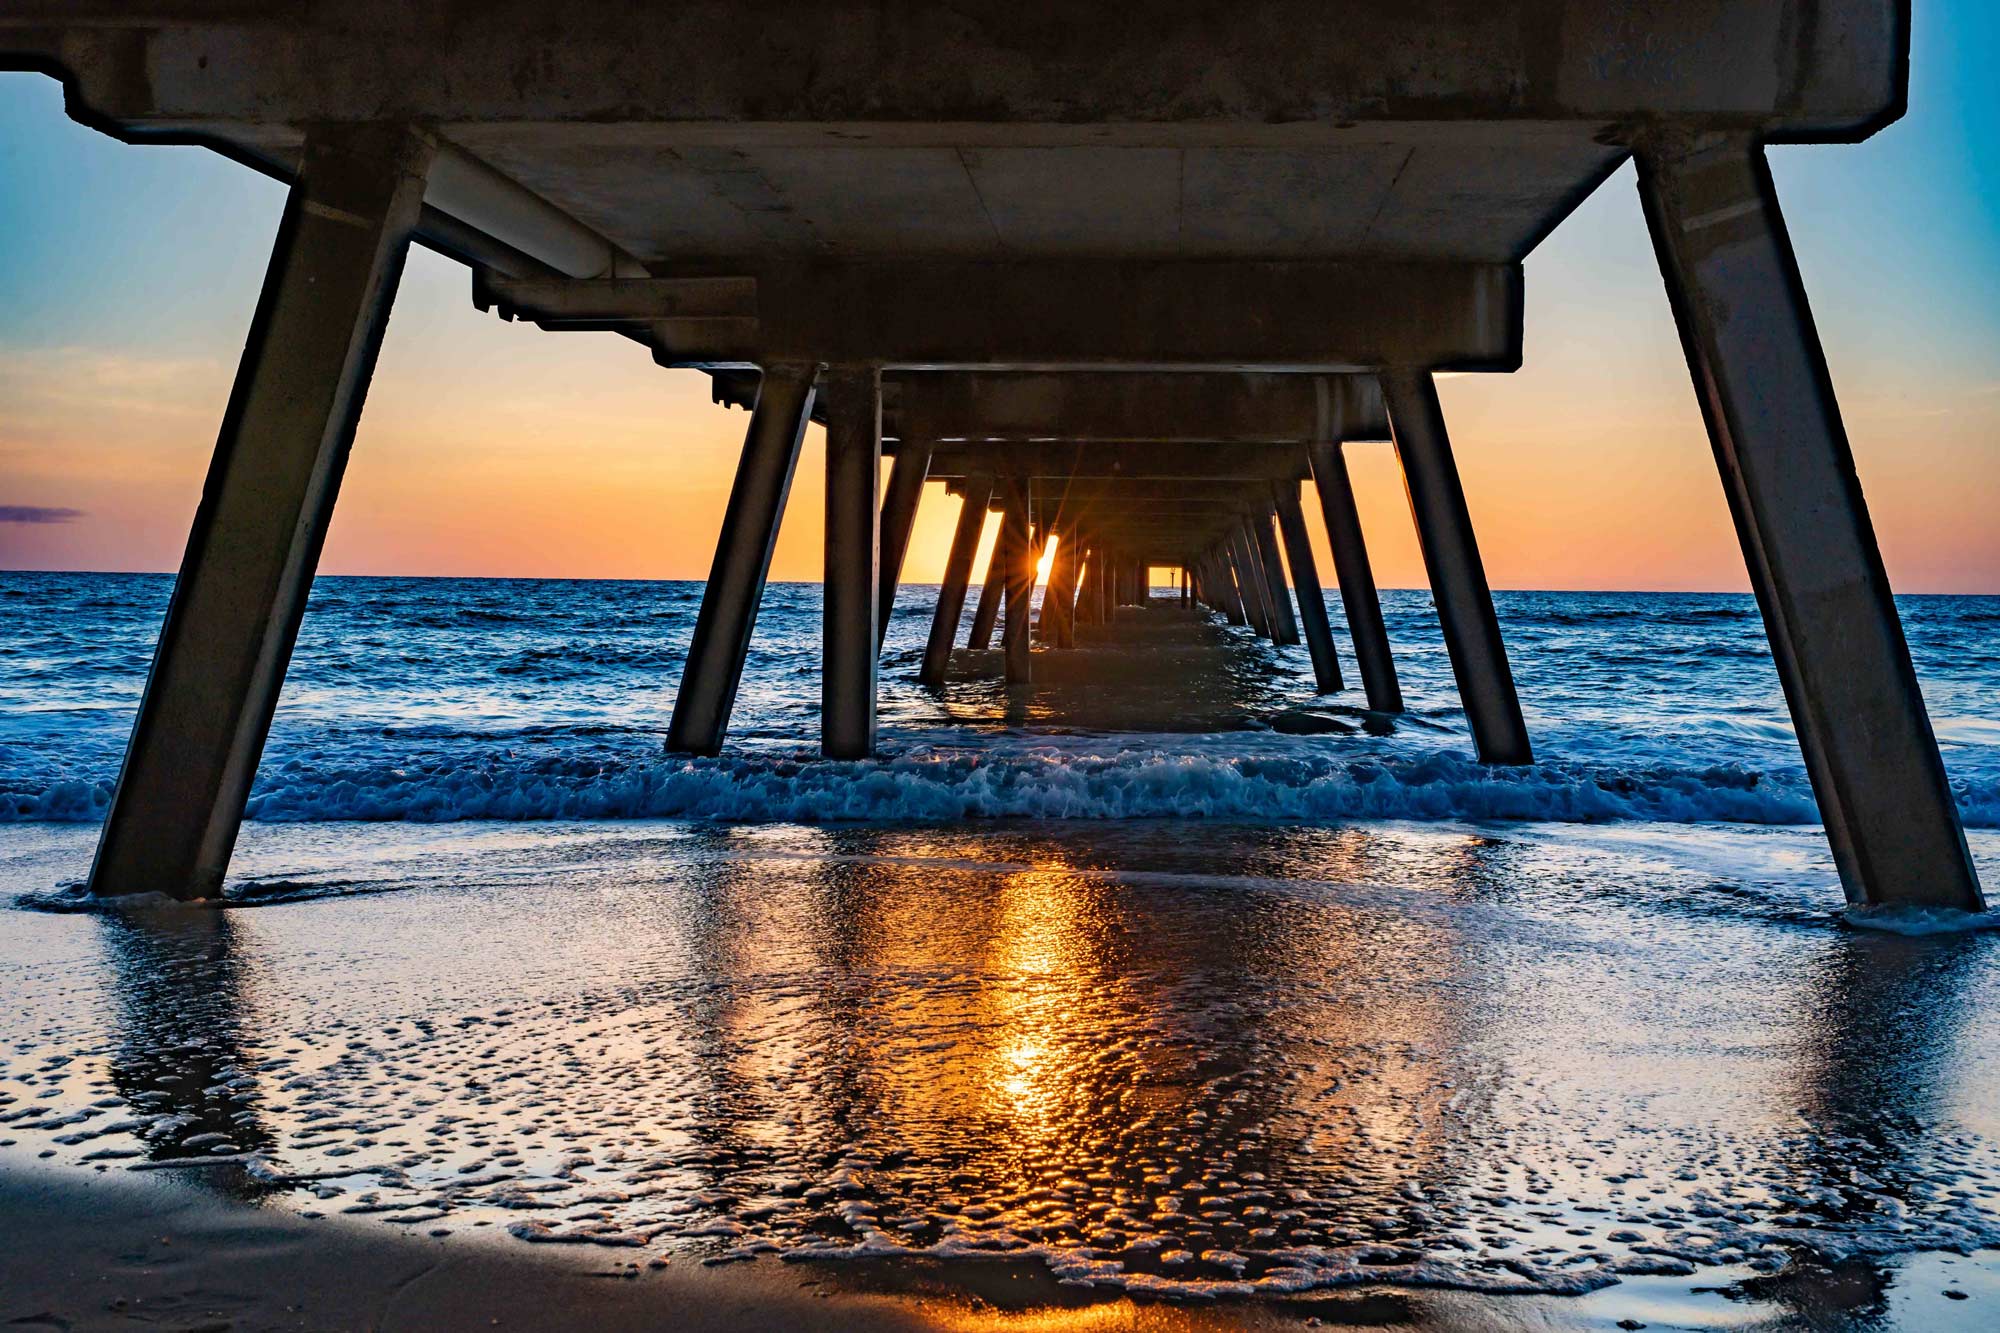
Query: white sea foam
pixel 1235 777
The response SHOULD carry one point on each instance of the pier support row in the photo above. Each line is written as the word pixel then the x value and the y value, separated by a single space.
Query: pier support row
pixel 1788 469
pixel 234 615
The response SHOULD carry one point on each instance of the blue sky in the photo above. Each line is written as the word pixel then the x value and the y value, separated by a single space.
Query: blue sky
pixel 128 276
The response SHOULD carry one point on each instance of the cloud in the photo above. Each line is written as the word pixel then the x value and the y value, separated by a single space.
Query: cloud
pixel 38 514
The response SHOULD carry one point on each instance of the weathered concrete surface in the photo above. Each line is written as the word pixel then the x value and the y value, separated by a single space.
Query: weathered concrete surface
pixel 263 517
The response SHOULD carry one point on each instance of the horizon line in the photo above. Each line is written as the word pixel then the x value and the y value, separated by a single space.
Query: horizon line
pixel 807 583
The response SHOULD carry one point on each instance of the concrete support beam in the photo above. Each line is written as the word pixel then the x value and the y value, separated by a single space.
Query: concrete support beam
pixel 1016 555
pixel 1284 624
pixel 1136 314
pixel 735 586
pixel 1305 583
pixel 1102 407
pixel 1458 577
pixel 1789 473
pixel 957 576
pixel 899 515
pixel 251 554
pixel 1069 457
pixel 1358 597
pixel 853 541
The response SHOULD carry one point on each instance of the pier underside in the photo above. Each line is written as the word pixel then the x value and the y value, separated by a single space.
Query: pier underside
pixel 1132 279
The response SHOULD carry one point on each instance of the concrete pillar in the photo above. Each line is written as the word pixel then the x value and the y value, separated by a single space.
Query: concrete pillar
pixel 1233 609
pixel 1284 625
pixel 1357 581
pixel 1059 598
pixel 251 554
pixel 992 592
pixel 735 586
pixel 1458 578
pixel 1305 582
pixel 1251 584
pixel 853 550
pixel 1016 554
pixel 1788 470
pixel 899 514
pixel 957 575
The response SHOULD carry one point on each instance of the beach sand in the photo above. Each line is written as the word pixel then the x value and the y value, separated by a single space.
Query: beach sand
pixel 998 1075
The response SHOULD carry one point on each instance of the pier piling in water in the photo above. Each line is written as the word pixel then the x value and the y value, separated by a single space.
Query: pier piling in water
pixel 265 507
pixel 722 628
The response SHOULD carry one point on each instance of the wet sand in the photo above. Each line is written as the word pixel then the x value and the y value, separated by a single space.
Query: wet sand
pixel 1089 1075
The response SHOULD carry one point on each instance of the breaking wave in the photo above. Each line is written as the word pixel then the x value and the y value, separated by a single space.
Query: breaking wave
pixel 1235 778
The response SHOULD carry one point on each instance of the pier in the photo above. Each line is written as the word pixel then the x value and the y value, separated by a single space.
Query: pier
pixel 1131 279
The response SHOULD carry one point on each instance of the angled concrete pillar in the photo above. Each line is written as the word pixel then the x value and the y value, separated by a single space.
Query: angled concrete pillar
pixel 1458 578
pixel 1788 470
pixel 1233 609
pixel 853 549
pixel 1357 581
pixel 729 600
pixel 1251 585
pixel 248 568
pixel 992 593
pixel 1017 559
pixel 1059 597
pixel 1225 587
pixel 1305 583
pixel 899 515
pixel 1284 625
pixel 957 576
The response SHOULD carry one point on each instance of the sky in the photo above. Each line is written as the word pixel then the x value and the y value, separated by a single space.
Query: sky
pixel 128 276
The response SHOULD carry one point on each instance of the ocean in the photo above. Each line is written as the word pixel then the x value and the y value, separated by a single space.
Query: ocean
pixel 1135 985
pixel 452 699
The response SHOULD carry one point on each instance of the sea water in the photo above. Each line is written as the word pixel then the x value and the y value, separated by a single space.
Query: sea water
pixel 1129 983
pixel 452 699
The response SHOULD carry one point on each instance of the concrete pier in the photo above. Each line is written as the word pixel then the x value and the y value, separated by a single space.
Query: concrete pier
pixel 263 517
pixel 1358 597
pixel 957 576
pixel 1458 576
pixel 1058 264
pixel 1789 473
pixel 735 586
pixel 1305 584
pixel 853 460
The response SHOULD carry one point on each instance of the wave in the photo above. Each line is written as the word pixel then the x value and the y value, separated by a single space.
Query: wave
pixel 1229 776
